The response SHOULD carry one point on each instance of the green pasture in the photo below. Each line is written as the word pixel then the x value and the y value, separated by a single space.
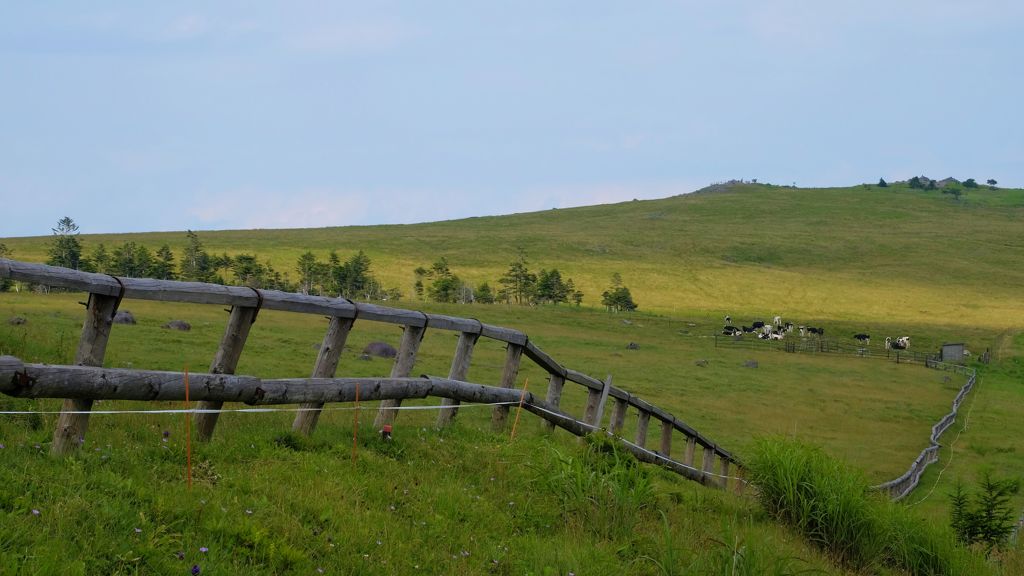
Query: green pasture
pixel 466 500
pixel 859 253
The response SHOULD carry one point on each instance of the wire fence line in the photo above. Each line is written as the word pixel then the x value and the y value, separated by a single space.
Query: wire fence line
pixel 897 488
pixel 220 385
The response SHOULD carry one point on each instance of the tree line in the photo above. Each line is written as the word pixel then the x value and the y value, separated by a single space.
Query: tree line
pixel 350 278
pixel 518 285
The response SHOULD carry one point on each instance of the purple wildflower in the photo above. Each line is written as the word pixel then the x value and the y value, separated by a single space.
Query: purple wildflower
pixel 2 446
pixel 167 433
pixel 35 512
pixel 204 549
pixel 195 570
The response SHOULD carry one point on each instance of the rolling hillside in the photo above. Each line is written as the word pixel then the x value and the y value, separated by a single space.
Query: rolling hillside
pixel 465 500
pixel 855 253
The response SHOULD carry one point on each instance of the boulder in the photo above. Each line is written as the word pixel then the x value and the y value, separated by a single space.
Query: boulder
pixel 632 346
pixel 124 317
pixel 178 325
pixel 17 321
pixel 380 350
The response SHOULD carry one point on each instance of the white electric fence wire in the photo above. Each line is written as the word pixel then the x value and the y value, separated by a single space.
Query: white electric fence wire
pixel 591 427
pixel 246 410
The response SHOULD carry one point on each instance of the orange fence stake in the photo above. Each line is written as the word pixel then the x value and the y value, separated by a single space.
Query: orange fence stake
pixel 522 396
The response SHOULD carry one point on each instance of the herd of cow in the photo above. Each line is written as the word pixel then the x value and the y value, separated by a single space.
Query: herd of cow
pixel 777 330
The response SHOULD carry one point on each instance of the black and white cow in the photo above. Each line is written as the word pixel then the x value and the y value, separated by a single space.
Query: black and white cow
pixel 864 339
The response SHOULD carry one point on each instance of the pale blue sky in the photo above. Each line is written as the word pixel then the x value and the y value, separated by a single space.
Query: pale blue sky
pixel 166 116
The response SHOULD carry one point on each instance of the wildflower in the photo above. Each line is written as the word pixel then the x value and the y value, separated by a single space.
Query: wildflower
pixel 195 570
pixel 379 542
pixel 180 554
pixel 465 553
pixel 2 446
pixel 138 530
pixel 36 446
pixel 248 512
pixel 319 570
pixel 204 549
pixel 35 512
pixel 167 433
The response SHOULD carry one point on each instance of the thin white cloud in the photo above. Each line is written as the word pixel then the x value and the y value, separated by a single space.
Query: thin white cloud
pixel 281 209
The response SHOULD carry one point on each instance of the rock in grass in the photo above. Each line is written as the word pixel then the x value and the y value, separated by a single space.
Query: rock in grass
pixel 17 321
pixel 750 364
pixel 124 317
pixel 702 363
pixel 178 325
pixel 365 357
pixel 380 350
pixel 632 346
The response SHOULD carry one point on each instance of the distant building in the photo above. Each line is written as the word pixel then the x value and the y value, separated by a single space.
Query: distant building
pixel 947 181
pixel 953 353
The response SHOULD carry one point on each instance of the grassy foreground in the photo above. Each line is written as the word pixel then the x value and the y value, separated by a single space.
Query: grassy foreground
pixel 892 261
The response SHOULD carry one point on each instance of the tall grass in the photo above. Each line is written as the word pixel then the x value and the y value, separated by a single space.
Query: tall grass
pixel 833 507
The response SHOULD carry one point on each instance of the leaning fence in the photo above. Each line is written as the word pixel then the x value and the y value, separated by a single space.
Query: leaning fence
pixel 87 381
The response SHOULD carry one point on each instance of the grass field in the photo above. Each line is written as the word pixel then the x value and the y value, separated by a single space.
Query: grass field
pixel 888 261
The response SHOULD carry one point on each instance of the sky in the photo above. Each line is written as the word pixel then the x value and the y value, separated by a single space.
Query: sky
pixel 132 116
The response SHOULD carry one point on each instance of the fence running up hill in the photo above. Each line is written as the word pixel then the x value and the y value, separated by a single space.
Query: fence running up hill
pixel 80 385
pixel 900 487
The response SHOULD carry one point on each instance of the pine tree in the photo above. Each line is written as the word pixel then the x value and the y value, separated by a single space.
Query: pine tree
pixel 65 250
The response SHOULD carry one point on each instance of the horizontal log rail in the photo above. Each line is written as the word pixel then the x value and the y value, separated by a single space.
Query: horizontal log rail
pixel 240 297
pixel 28 380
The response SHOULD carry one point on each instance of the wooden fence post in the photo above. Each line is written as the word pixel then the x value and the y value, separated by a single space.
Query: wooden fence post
pixel 643 419
pixel 594 412
pixel 92 347
pixel 513 354
pixel 225 362
pixel 326 364
pixel 459 371
pixel 404 361
pixel 741 483
pixel 666 438
pixel 618 419
pixel 724 471
pixel 709 463
pixel 691 446
pixel 554 396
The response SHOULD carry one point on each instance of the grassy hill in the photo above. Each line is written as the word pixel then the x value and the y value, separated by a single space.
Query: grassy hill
pixel 888 261
pixel 859 253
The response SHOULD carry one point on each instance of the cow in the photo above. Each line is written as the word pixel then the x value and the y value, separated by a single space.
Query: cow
pixel 757 324
pixel 731 331
pixel 818 331
pixel 864 339
pixel 901 343
pixel 777 321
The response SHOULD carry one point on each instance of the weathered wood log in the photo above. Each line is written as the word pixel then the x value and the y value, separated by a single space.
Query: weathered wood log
pixel 666 438
pixel 72 424
pixel 618 419
pixel 459 371
pixel 44 381
pixel 225 362
pixel 513 356
pixel 543 360
pixel 691 446
pixel 504 334
pixel 708 466
pixel 643 420
pixel 404 361
pixel 590 415
pixel 605 390
pixel 325 367
pixel 584 379
pixel 554 395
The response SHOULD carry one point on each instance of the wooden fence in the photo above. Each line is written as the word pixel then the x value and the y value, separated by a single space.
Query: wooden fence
pixel 898 488
pixel 80 385
pixel 813 344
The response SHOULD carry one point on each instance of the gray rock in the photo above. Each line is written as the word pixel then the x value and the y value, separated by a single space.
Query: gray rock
pixel 750 364
pixel 17 321
pixel 380 350
pixel 178 325
pixel 124 317
pixel 702 363
pixel 632 346
pixel 365 357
